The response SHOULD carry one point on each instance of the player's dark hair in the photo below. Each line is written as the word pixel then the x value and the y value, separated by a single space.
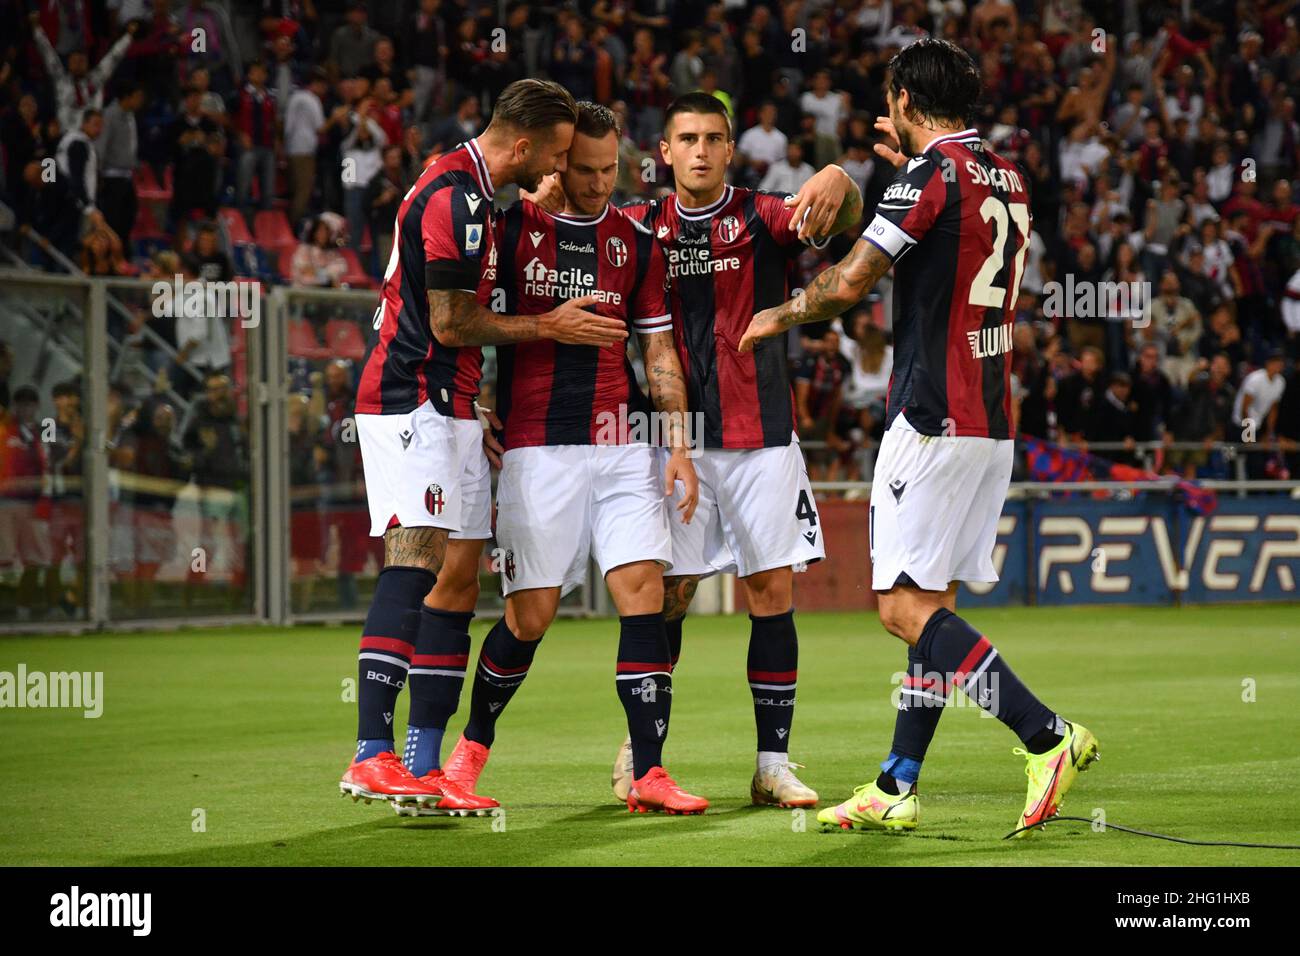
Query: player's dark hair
pixel 66 388
pixel 941 78
pixel 596 121
pixel 531 105
pixel 704 103
pixel 28 395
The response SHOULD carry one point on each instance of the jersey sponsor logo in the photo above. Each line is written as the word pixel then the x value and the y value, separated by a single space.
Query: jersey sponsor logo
pixel 901 192
pixel 583 247
pixel 473 200
pixel 914 162
pixel 434 500
pixel 544 282
pixel 616 251
pixel 697 262
pixel 490 269
pixel 985 343
pixel 729 229
pixel 536 237
pixel 663 231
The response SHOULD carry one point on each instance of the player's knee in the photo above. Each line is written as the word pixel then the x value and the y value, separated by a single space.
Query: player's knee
pixel 769 593
pixel 897 618
pixel 529 619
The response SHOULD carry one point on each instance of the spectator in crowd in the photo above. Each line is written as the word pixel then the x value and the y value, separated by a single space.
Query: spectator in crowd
pixel 203 345
pixel 208 261
pixel 1255 409
pixel 787 175
pixel 1079 395
pixel 818 393
pixel 217 447
pixel 79 162
pixel 1113 420
pixel 761 146
pixel 383 196
pixel 318 262
pixel 118 151
pixel 255 122
pixel 361 149
pixel 352 45
pixel 24 527
pixel 465 123
pixel 78 87
pixel 102 253
pixel 1205 415
pixel 830 108
pixel 304 118
pixel 1152 397
pixel 197 144
pixel 151 472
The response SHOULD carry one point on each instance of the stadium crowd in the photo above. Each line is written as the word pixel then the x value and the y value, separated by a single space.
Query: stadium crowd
pixel 274 139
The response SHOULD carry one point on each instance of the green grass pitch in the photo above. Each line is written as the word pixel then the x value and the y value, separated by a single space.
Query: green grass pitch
pixel 250 726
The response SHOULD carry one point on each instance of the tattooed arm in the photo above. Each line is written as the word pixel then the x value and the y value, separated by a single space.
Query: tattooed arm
pixel 457 319
pixel 832 292
pixel 663 372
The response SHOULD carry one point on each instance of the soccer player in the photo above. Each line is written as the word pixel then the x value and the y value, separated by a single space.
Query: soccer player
pixel 945 461
pixel 728 252
pixel 422 444
pixel 580 476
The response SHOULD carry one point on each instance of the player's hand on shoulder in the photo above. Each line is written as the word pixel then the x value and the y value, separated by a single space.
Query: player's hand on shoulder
pixel 549 195
pixel 571 324
pixel 818 201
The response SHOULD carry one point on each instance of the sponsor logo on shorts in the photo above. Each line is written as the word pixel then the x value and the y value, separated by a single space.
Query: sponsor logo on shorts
pixel 434 500
pixel 897 486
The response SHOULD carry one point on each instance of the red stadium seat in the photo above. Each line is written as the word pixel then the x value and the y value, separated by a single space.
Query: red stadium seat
pixel 146 224
pixel 344 340
pixel 147 187
pixel 271 228
pixel 356 276
pixel 303 342
pixel 284 263
pixel 235 225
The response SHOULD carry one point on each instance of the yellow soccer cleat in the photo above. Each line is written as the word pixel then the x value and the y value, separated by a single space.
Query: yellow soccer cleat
pixel 870 808
pixel 1051 774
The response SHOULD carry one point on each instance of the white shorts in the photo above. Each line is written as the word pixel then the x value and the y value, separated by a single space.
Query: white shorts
pixel 427 471
pixel 935 505
pixel 756 512
pixel 559 505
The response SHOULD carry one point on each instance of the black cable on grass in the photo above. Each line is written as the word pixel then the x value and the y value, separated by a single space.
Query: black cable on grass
pixel 1155 836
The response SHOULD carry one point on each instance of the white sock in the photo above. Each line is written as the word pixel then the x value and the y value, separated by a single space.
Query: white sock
pixel 771 760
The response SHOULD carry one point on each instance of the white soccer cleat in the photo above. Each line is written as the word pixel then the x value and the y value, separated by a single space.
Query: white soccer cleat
pixel 621 779
pixel 778 786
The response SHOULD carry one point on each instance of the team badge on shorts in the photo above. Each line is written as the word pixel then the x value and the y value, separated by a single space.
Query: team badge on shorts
pixel 433 500
pixel 509 565
pixel 729 229
pixel 615 251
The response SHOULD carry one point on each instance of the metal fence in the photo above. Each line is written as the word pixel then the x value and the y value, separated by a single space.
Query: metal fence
pixel 145 486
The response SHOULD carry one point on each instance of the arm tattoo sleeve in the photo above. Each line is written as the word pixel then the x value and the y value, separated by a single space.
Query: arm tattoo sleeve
pixel 837 288
pixel 456 319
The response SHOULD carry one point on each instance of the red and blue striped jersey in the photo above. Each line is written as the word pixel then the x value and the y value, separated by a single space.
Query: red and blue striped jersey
pixel 965 210
pixel 555 394
pixel 727 261
pixel 443 236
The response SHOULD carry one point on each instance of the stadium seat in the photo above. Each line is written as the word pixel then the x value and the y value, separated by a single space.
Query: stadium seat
pixel 344 340
pixel 356 276
pixel 303 342
pixel 284 264
pixel 233 220
pixel 271 229
pixel 147 187
pixel 146 224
